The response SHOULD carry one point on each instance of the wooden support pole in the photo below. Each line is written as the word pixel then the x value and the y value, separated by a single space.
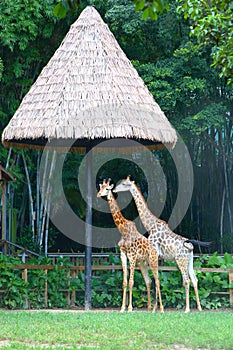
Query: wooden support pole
pixel 88 229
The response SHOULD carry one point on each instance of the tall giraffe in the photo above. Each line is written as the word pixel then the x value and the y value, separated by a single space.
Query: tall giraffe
pixel 135 247
pixel 168 244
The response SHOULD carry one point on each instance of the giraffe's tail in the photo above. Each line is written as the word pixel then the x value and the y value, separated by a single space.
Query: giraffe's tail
pixel 196 242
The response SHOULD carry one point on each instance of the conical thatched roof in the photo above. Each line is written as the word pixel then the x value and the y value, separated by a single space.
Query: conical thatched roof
pixel 88 90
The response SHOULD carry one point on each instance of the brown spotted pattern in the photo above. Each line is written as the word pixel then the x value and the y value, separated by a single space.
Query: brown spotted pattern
pixel 134 247
pixel 168 244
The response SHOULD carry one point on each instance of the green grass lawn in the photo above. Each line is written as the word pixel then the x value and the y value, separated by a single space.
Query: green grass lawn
pixel 113 330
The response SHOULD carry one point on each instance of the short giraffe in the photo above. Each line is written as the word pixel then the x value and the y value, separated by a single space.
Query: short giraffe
pixel 135 247
pixel 168 244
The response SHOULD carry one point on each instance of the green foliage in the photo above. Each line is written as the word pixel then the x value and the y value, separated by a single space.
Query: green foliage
pixel 107 285
pixel 17 292
pixel 27 41
pixel 20 22
pixel 211 23
pixel 132 32
pixel 25 240
pixel 180 84
pixel 151 8
pixel 211 116
pixel 11 281
pixel 1 68
pixel 65 7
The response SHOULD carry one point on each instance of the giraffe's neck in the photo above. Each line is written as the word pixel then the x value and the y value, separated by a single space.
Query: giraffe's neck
pixel 116 213
pixel 148 219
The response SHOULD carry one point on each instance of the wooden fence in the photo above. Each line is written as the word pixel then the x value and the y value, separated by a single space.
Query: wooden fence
pixel 74 270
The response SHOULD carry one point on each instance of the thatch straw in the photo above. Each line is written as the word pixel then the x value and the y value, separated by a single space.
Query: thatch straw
pixel 88 90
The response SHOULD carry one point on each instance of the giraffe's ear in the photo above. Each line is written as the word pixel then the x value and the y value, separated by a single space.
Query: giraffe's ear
pixel 111 186
pixel 129 179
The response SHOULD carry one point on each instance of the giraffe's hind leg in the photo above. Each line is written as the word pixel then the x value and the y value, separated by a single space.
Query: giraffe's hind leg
pixel 183 266
pixel 194 280
pixel 124 267
pixel 144 270
pixel 153 262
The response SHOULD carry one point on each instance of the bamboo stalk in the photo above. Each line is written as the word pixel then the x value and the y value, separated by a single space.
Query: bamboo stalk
pixel 47 227
pixel 38 194
pixel 47 196
pixel 221 218
pixel 42 189
pixel 8 158
pixel 31 206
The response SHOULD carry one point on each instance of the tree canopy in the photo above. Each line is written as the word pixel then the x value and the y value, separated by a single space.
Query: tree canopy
pixel 177 68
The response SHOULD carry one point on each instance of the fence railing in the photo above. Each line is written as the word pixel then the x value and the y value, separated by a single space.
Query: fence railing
pixel 72 271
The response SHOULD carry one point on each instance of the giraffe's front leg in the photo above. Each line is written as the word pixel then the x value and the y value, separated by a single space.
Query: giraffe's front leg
pixel 158 293
pixel 124 267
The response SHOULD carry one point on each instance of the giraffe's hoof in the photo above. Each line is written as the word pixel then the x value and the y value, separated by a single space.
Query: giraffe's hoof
pixel 187 311
pixel 199 308
pixel 122 310
pixel 155 308
pixel 130 309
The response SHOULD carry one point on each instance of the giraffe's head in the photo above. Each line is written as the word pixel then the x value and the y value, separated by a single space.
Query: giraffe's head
pixel 105 188
pixel 124 185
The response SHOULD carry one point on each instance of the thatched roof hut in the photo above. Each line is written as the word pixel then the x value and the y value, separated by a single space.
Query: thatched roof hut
pixel 88 90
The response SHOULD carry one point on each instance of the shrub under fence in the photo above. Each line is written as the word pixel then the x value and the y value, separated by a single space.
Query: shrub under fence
pixel 41 284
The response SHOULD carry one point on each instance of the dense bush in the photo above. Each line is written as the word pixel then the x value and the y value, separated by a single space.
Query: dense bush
pixel 107 285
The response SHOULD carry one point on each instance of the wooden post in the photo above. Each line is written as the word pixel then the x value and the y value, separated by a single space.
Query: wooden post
pixel 46 289
pixel 73 294
pixel 5 247
pixel 68 294
pixel 25 278
pixel 231 289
